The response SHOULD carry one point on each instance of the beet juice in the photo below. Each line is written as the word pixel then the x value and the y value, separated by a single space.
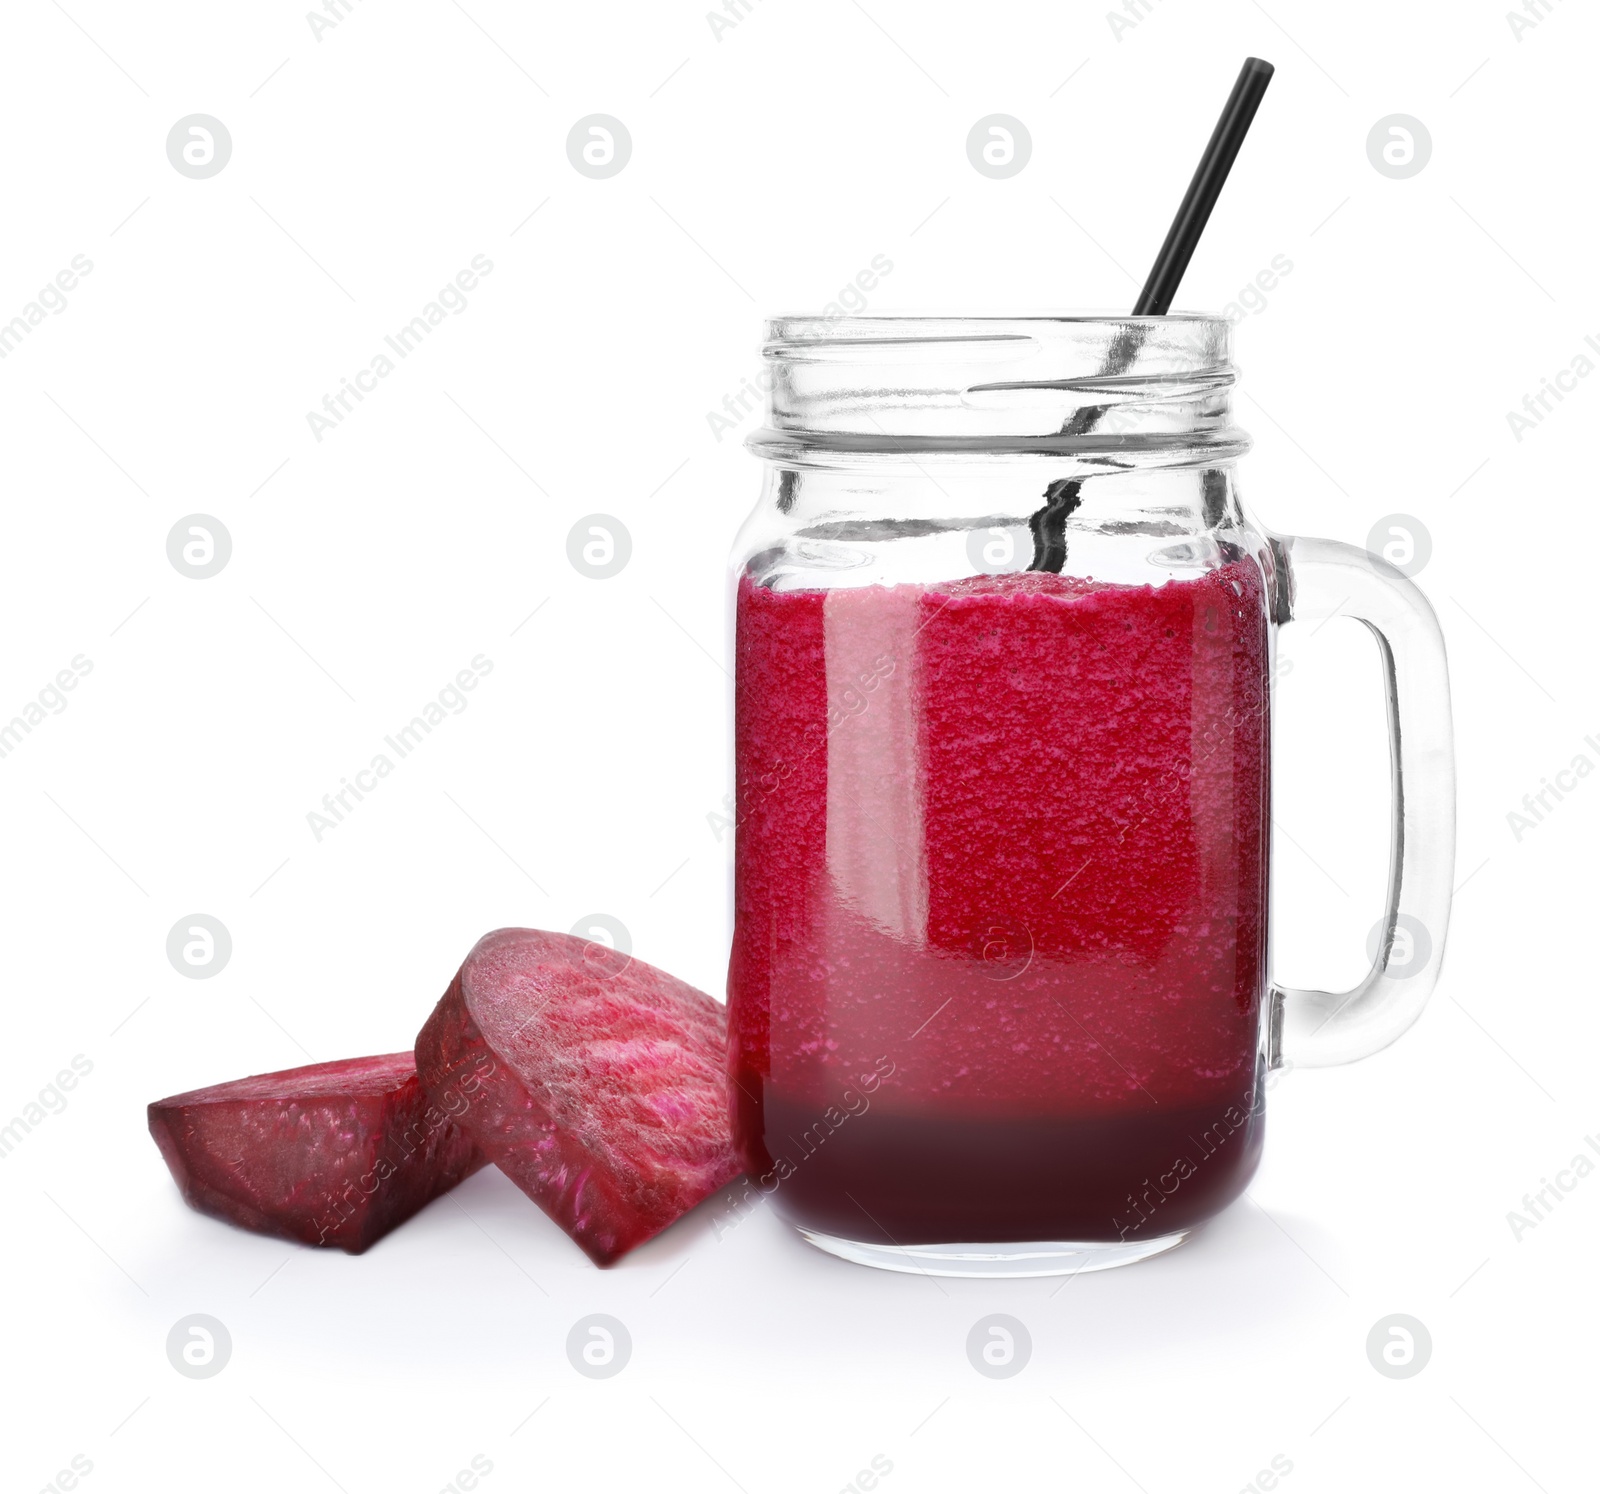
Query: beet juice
pixel 1001 895
pixel 1000 1001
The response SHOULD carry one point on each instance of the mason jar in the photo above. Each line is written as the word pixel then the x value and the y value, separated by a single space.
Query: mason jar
pixel 1000 996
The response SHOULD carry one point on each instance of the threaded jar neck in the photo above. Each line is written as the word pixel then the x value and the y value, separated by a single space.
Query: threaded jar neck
pixel 1132 390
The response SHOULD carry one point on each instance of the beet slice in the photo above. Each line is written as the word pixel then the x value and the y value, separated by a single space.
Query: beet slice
pixel 330 1154
pixel 603 1096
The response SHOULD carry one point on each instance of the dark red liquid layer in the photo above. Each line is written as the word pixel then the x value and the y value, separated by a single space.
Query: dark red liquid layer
pixel 1002 848
pixel 895 1179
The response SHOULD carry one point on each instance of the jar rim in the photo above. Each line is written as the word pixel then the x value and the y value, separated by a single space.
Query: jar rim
pixel 792 324
pixel 1081 383
pixel 1085 314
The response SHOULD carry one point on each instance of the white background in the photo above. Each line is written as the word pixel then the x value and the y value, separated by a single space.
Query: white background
pixel 768 167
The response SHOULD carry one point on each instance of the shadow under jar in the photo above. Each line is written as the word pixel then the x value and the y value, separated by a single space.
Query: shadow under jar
pixel 1000 1000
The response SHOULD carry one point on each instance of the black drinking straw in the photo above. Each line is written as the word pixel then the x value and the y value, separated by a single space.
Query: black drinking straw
pixel 1156 297
pixel 1049 524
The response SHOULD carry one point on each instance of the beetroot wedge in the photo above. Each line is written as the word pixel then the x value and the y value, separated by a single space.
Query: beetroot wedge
pixel 331 1154
pixel 602 1094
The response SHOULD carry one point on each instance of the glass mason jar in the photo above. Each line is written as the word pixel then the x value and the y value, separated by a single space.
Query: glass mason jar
pixel 1000 999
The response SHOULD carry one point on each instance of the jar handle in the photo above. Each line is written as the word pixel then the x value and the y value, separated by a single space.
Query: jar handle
pixel 1318 1028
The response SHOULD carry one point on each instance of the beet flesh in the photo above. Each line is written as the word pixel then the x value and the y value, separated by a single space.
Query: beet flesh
pixel 330 1154
pixel 599 1082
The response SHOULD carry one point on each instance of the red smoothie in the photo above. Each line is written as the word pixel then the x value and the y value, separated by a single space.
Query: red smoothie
pixel 1000 939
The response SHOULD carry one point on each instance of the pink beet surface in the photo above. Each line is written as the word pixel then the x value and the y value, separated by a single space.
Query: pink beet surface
pixel 331 1154
pixel 602 1090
